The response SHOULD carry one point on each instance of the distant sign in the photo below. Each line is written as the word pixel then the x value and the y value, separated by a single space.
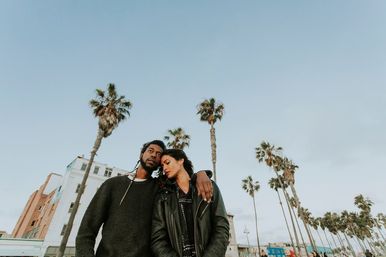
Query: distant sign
pixel 276 251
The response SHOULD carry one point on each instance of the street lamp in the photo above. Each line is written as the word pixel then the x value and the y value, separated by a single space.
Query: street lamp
pixel 246 232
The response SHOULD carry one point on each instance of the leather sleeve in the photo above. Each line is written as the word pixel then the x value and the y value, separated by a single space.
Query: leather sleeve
pixel 160 243
pixel 220 232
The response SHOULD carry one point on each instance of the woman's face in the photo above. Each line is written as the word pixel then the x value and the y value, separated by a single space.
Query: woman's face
pixel 171 166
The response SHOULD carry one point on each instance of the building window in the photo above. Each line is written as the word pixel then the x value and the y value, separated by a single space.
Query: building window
pixel 84 165
pixel 77 188
pixel 33 223
pixel 71 206
pixel 108 172
pixel 119 174
pixel 96 170
pixel 60 188
pixel 63 229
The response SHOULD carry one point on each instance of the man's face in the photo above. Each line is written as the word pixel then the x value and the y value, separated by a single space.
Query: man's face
pixel 151 158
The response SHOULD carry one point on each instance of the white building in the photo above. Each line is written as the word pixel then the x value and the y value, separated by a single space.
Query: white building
pixel 232 250
pixel 65 198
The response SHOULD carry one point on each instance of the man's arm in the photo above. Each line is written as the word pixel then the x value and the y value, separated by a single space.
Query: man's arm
pixel 204 184
pixel 93 219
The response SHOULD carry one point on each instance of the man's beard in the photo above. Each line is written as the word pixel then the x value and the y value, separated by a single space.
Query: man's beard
pixel 148 169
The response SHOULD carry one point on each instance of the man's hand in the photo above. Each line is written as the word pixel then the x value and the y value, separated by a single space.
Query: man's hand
pixel 204 186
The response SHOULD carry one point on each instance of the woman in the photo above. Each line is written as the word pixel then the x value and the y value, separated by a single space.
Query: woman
pixel 184 225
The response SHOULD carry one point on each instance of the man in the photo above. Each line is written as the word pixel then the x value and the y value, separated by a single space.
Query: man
pixel 124 206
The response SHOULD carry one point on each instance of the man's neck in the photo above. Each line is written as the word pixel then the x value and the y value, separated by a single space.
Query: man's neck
pixel 142 173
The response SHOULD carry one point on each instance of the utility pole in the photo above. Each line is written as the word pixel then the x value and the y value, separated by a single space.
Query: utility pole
pixel 246 232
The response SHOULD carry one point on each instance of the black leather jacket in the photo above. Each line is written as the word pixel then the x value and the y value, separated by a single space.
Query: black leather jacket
pixel 211 225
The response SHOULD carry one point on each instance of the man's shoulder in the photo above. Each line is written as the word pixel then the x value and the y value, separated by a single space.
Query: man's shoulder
pixel 115 180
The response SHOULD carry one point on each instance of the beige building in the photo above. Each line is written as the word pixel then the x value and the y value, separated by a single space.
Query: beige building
pixel 39 210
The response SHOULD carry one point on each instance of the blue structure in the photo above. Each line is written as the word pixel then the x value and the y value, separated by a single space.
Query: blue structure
pixel 320 249
pixel 276 251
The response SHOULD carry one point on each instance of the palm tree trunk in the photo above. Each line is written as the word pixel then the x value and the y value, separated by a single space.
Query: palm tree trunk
pixel 320 238
pixel 285 218
pixel 333 239
pixel 364 244
pixel 376 240
pixel 380 232
pixel 349 245
pixel 213 147
pixel 298 252
pixel 372 241
pixel 360 244
pixel 372 247
pixel 301 234
pixel 257 232
pixel 355 245
pixel 340 240
pixel 302 216
pixel 329 244
pixel 381 242
pixel 70 223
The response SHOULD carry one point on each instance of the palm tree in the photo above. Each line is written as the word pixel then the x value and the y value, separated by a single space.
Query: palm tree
pixel 379 221
pixel 320 223
pixel 251 187
pixel 367 222
pixel 270 154
pixel 275 185
pixel 211 112
pixel 326 223
pixel 110 109
pixel 343 225
pixel 288 171
pixel 177 138
pixel 294 206
pixel 364 204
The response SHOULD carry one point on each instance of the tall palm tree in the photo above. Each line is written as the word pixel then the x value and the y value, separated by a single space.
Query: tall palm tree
pixel 211 112
pixel 251 187
pixel 270 155
pixel 343 226
pixel 288 171
pixel 326 223
pixel 368 223
pixel 177 138
pixel 363 203
pixel 307 219
pixel 275 185
pixel 379 221
pixel 320 223
pixel 294 206
pixel 110 109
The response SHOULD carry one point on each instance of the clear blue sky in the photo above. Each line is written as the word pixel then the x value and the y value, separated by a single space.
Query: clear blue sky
pixel 309 76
